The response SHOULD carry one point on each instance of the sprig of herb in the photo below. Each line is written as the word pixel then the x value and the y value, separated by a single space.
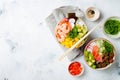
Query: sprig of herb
pixel 108 47
pixel 74 32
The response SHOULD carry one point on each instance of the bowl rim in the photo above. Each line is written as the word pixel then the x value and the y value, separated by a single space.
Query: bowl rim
pixel 79 73
pixel 114 51
pixel 111 36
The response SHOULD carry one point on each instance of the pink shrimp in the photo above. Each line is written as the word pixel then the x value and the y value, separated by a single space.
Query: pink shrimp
pixel 66 27
pixel 62 29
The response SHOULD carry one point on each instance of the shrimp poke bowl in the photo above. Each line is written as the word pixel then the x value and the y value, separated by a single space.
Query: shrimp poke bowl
pixel 99 54
pixel 69 30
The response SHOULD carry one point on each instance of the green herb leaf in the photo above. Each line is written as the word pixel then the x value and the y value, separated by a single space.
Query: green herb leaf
pixel 108 47
pixel 73 33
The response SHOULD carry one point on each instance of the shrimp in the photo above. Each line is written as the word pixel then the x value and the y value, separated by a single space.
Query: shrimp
pixel 62 29
pixel 60 38
pixel 66 27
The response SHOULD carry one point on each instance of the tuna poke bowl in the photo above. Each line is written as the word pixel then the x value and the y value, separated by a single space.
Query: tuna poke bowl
pixel 69 30
pixel 99 54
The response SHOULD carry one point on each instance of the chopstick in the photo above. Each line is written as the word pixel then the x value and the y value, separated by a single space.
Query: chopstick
pixel 70 49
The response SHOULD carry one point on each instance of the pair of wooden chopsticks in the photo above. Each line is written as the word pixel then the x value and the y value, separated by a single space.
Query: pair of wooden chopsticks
pixel 70 49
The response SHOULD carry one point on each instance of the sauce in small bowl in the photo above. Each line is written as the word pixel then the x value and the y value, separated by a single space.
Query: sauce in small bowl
pixel 92 14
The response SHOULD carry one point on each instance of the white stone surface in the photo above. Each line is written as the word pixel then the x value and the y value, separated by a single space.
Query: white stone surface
pixel 28 50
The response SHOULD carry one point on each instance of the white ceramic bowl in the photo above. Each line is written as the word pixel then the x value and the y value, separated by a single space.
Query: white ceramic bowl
pixel 113 52
pixel 96 14
pixel 80 72
pixel 111 18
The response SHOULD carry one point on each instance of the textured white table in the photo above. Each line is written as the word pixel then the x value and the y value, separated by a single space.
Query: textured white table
pixel 28 50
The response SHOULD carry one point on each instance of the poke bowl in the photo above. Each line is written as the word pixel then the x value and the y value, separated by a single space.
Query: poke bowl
pixel 69 30
pixel 99 54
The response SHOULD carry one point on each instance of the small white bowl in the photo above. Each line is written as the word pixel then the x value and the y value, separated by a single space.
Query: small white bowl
pixel 92 14
pixel 80 66
pixel 111 36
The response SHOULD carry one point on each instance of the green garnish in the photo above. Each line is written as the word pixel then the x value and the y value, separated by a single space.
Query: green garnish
pixel 112 27
pixel 108 47
pixel 77 31
pixel 73 33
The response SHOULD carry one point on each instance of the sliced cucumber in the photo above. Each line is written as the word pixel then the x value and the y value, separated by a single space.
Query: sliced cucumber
pixel 93 66
pixel 90 63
